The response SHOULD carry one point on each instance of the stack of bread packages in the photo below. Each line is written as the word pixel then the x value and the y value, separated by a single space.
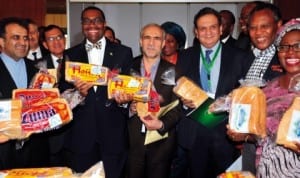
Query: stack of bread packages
pixel 37 109
pixel 288 133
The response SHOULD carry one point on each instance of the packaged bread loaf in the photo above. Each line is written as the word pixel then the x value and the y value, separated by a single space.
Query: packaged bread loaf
pixel 42 117
pixel 10 119
pixel 31 96
pixel 139 87
pixel 289 128
pixel 248 111
pixel 95 74
pixel 187 89
pixel 53 172
pixel 43 80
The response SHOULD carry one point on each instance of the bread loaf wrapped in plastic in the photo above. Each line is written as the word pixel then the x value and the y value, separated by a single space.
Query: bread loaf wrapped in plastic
pixel 289 127
pixel 139 87
pixel 10 119
pixel 53 172
pixel 188 90
pixel 248 111
pixel 43 80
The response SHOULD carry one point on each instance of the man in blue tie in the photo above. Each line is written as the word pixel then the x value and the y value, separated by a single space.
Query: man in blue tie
pixel 216 68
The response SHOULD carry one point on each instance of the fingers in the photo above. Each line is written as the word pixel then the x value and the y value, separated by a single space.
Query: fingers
pixel 123 98
pixel 82 86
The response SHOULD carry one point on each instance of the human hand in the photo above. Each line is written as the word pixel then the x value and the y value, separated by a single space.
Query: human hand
pixel 151 122
pixel 122 98
pixel 82 86
pixel 188 103
pixel 237 137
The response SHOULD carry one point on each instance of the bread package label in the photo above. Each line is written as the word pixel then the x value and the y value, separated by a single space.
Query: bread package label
pixel 31 96
pixel 138 86
pixel 10 119
pixel 187 89
pixel 248 111
pixel 37 172
pixel 95 74
pixel 42 117
pixel 43 80
pixel 289 127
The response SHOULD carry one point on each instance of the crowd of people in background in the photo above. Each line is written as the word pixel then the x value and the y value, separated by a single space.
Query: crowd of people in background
pixel 112 131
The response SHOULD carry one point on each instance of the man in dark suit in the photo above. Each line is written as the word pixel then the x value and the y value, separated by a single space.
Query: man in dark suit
pixel 154 159
pixel 228 21
pixel 17 72
pixel 209 151
pixel 264 21
pixel 53 39
pixel 36 50
pixel 99 129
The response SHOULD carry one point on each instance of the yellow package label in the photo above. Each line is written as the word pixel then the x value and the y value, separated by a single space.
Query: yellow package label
pixel 95 74
pixel 138 86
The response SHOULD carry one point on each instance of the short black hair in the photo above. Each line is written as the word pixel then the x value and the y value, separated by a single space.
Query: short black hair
pixel 93 8
pixel 231 15
pixel 11 20
pixel 110 29
pixel 51 27
pixel 206 11
pixel 267 6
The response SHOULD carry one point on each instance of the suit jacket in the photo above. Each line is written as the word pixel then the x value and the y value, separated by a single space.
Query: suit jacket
pixel 274 69
pixel 93 122
pixel 7 150
pixel 231 41
pixel 233 67
pixel 136 138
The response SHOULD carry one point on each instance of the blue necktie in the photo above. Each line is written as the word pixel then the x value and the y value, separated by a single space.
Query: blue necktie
pixel 204 75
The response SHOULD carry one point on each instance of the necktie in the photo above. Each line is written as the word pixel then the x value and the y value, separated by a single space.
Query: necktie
pixel 34 56
pixel 204 75
pixel 58 61
pixel 89 47
pixel 207 57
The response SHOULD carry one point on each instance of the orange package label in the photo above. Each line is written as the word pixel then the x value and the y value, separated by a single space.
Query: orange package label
pixel 31 96
pixel 45 116
pixel 95 74
pixel 138 86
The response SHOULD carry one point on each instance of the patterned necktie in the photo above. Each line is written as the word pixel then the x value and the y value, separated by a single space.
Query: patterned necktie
pixel 89 47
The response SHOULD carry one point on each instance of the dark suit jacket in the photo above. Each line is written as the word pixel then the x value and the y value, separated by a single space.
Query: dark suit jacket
pixel 170 119
pixel 233 68
pixel 274 69
pixel 231 41
pixel 93 122
pixel 36 145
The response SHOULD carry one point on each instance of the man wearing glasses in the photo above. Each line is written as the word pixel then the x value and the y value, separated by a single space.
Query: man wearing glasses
pixel 98 130
pixel 54 40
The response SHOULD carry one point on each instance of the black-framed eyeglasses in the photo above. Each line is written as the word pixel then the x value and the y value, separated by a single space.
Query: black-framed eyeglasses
pixel 55 38
pixel 96 21
pixel 286 48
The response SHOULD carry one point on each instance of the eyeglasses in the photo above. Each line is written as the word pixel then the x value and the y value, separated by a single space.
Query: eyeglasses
pixel 53 38
pixel 96 21
pixel 286 48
